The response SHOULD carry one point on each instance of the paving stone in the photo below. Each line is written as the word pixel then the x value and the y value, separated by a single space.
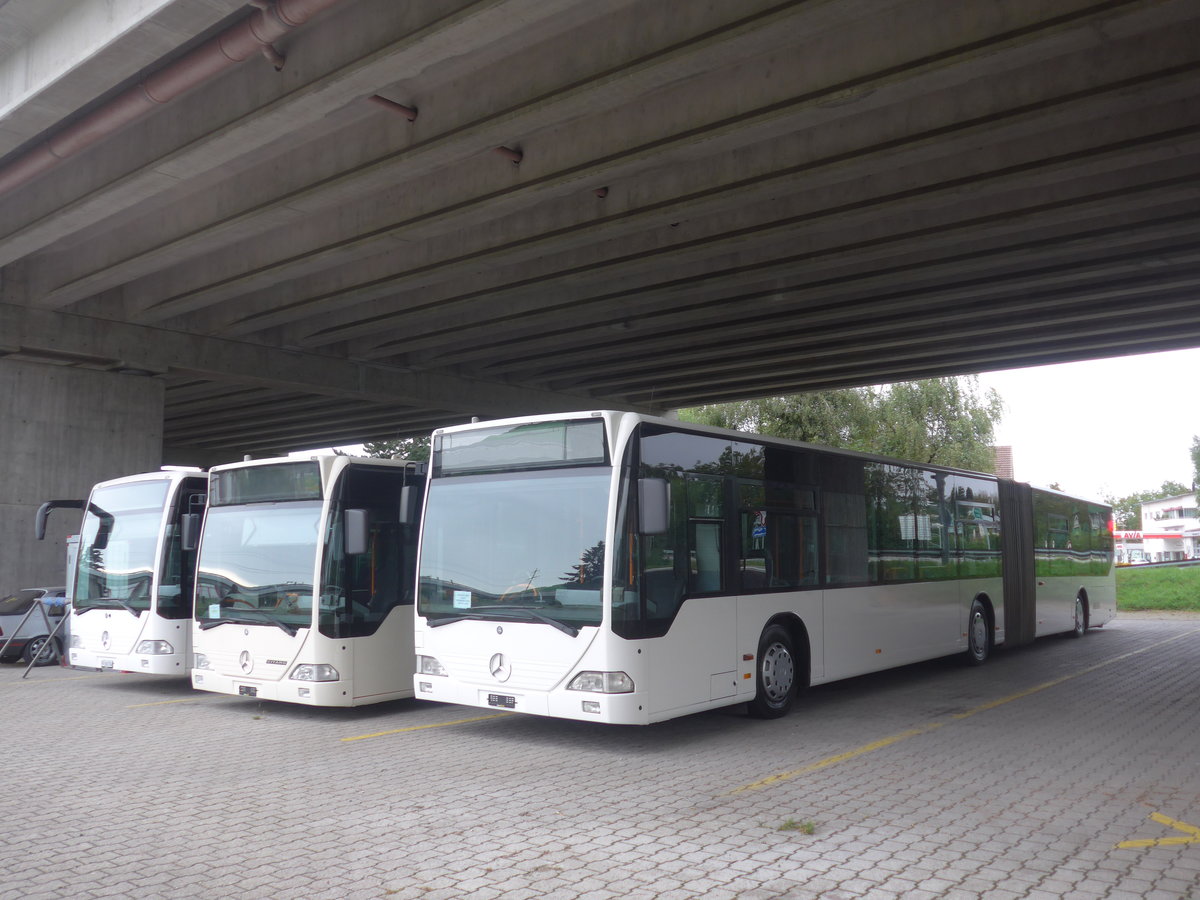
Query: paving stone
pixel 202 801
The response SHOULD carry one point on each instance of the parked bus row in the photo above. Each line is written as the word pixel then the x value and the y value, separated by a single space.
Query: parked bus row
pixel 604 566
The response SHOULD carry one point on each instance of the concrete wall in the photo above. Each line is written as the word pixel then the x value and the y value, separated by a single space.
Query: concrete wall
pixel 62 430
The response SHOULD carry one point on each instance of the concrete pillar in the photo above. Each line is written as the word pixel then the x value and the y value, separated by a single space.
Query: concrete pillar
pixel 61 431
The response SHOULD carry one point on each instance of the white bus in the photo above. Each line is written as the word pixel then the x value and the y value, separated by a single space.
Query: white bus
pixel 620 568
pixel 305 580
pixel 134 571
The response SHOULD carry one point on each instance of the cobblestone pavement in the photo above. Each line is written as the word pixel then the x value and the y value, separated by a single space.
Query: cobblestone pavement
pixel 1015 780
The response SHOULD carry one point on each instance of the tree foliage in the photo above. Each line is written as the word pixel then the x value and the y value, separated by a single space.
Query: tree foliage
pixel 948 421
pixel 415 449
pixel 1196 463
pixel 1127 511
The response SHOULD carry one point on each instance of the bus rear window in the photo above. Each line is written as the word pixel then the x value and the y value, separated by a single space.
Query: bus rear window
pixel 531 445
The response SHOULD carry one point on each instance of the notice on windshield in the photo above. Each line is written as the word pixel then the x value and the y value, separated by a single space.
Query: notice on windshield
pixel 462 599
pixel 214 610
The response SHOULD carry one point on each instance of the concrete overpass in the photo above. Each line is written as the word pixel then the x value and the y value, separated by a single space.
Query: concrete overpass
pixel 230 228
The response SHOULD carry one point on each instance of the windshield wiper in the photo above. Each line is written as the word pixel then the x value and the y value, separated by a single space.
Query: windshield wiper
pixel 238 618
pixel 100 603
pixel 508 612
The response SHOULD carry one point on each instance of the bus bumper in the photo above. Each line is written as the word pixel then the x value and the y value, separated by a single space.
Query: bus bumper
pixel 309 693
pixel 614 709
pixel 147 664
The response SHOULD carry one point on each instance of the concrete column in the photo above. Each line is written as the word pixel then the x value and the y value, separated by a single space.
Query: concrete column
pixel 61 431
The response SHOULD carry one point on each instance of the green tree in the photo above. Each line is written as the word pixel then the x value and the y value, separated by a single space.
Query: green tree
pixel 949 421
pixel 1127 511
pixel 836 418
pixel 415 449
pixel 1196 464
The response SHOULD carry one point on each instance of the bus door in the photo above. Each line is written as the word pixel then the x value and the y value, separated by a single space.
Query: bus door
pixel 778 566
pixel 688 604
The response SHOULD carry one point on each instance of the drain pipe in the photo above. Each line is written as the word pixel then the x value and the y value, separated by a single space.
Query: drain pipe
pixel 254 34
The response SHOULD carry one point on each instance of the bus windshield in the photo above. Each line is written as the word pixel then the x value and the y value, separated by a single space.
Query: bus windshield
pixel 526 546
pixel 256 564
pixel 117 547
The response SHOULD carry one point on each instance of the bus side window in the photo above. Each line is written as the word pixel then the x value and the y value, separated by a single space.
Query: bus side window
pixel 666 560
pixel 706 522
pixel 756 568
pixel 705 557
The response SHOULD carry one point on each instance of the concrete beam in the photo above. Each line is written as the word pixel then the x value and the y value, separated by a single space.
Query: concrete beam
pixel 606 91
pixel 57 55
pixel 138 349
pixel 594 236
pixel 432 33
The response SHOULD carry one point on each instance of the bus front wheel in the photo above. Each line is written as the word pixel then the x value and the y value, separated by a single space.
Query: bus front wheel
pixel 1081 622
pixel 776 668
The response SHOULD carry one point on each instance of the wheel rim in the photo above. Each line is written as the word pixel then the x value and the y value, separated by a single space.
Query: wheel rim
pixel 1078 616
pixel 978 633
pixel 778 672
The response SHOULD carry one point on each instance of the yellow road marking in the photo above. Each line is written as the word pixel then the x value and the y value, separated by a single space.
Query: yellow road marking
pixel 933 726
pixel 1166 842
pixel 840 758
pixel 163 702
pixel 364 737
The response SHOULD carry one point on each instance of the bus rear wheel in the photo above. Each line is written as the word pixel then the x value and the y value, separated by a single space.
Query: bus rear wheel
pixel 979 641
pixel 1080 619
pixel 776 674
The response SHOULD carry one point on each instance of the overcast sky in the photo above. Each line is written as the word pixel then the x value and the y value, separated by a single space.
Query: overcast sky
pixel 1115 426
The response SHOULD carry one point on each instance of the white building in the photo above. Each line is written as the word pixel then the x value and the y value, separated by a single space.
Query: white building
pixel 1171 528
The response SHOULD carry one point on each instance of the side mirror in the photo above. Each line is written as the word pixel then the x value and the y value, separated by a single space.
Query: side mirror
pixel 189 535
pixel 410 496
pixel 654 505
pixel 357 531
pixel 43 513
pixel 104 529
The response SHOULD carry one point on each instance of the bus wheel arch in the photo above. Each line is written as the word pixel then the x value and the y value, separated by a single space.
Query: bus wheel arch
pixel 981 631
pixel 1082 614
pixel 781 667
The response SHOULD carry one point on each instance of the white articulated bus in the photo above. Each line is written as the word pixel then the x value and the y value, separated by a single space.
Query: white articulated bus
pixel 134 572
pixel 304 585
pixel 620 568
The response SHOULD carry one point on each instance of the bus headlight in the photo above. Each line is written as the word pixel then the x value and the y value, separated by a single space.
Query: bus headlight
pixel 77 641
pixel 314 672
pixel 200 661
pixel 427 665
pixel 154 648
pixel 602 683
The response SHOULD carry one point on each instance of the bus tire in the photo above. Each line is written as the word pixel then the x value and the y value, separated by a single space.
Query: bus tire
pixel 1081 622
pixel 979 637
pixel 776 681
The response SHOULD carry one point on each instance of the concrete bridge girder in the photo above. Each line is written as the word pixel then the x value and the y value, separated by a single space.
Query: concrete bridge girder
pixel 703 189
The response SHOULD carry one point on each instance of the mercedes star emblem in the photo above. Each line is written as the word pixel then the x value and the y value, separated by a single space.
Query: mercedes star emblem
pixel 499 667
pixel 245 662
pixel 105 640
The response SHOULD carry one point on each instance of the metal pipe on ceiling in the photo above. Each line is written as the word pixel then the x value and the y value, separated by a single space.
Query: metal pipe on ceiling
pixel 252 35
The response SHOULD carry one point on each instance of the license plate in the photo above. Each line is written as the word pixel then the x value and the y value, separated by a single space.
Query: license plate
pixel 106 663
pixel 247 690
pixel 502 700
